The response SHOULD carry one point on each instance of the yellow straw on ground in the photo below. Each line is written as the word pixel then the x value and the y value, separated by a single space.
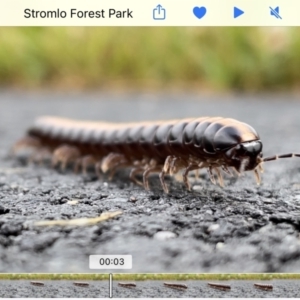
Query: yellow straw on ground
pixel 80 222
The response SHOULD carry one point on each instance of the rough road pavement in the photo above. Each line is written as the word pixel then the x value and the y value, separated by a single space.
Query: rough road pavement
pixel 241 228
pixel 53 289
pixel 200 289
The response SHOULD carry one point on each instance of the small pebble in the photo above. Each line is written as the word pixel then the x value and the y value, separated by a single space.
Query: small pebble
pixel 14 186
pixel 132 199
pixel 296 186
pixel 219 245
pixel 164 235
pixel 72 202
pixel 213 227
pixel 197 188
pixel 117 200
pixel 116 228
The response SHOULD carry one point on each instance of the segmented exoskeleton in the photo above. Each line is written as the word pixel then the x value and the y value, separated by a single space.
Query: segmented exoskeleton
pixel 215 143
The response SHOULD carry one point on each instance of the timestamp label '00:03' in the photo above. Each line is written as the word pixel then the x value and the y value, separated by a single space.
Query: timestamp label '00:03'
pixel 110 262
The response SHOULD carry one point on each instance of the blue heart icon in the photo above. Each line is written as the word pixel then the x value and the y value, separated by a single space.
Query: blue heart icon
pixel 199 12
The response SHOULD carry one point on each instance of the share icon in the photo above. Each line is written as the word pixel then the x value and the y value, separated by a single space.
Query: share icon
pixel 275 12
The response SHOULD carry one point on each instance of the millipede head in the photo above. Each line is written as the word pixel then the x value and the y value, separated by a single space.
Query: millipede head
pixel 245 156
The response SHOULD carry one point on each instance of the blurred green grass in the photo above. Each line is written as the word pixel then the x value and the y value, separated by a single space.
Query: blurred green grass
pixel 242 59
pixel 150 276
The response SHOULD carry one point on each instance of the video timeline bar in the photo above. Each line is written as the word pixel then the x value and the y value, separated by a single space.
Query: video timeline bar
pixel 150 13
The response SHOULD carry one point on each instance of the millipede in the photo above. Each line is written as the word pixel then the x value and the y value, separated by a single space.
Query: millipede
pixel 37 283
pixel 219 145
pixel 223 287
pixel 265 287
pixel 81 284
pixel 176 286
pixel 127 284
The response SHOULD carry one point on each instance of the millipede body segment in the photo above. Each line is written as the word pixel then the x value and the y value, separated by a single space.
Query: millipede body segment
pixel 215 143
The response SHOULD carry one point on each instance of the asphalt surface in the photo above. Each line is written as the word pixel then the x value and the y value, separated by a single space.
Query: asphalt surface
pixel 200 289
pixel 53 289
pixel 147 289
pixel 240 228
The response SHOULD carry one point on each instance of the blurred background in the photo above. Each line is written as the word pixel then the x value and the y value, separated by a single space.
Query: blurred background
pixel 197 59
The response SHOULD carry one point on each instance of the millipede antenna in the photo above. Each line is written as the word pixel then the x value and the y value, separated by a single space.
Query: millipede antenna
pixel 275 157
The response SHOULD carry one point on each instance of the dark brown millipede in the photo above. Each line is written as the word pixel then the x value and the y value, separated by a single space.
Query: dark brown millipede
pixel 223 287
pixel 165 147
pixel 266 287
pixel 82 284
pixel 37 283
pixel 177 286
pixel 127 284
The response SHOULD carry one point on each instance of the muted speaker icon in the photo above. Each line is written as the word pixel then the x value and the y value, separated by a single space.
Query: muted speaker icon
pixel 275 12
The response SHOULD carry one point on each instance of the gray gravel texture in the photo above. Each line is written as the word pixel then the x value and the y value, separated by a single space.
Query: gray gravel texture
pixel 240 228
pixel 200 289
pixel 53 289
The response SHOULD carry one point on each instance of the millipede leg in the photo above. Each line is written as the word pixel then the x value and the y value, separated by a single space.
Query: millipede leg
pixel 98 169
pixel 40 156
pixel 77 165
pixel 167 164
pixel 133 173
pixel 177 164
pixel 174 165
pixel 162 181
pixel 236 172
pixel 257 177
pixel 106 162
pixel 146 175
pixel 261 168
pixel 226 170
pixel 112 172
pixel 211 175
pixel 63 164
pixel 111 161
pixel 32 158
pixel 87 161
pixel 54 162
pixel 114 168
pixel 65 154
pixel 28 142
pixel 220 178
pixel 190 168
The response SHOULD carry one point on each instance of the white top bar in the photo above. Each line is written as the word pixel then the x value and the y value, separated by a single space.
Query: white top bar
pixel 150 13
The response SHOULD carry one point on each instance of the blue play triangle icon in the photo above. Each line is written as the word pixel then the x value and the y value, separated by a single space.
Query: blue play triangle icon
pixel 237 12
